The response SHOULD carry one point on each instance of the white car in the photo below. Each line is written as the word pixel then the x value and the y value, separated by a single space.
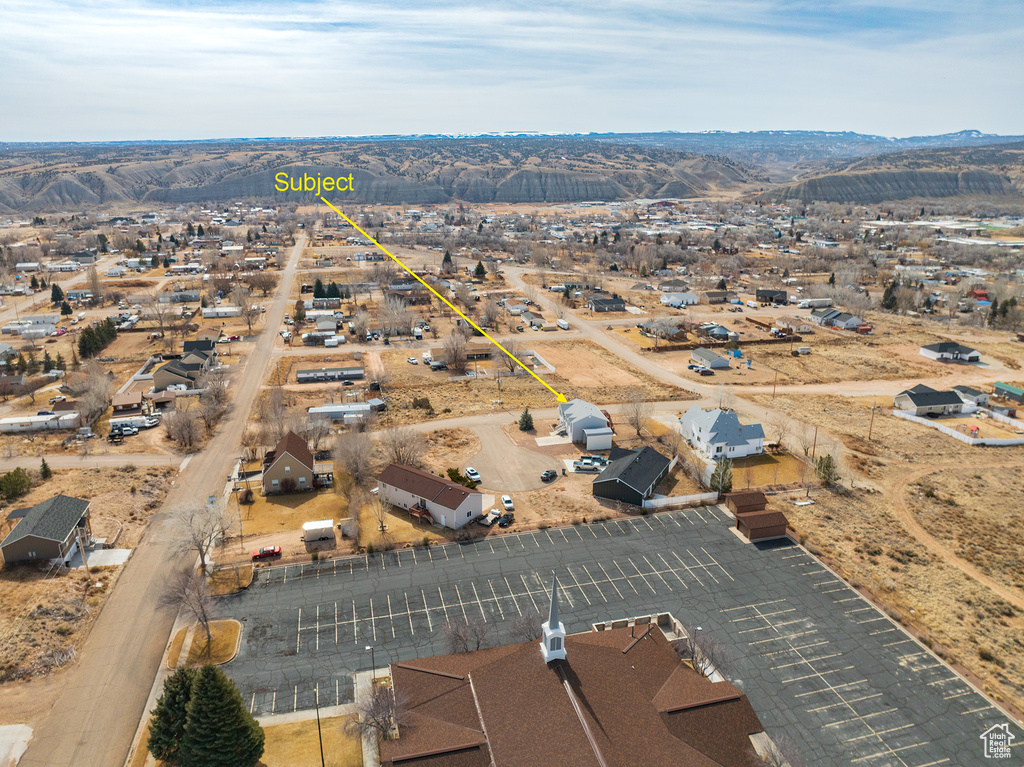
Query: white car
pixel 506 501
pixel 413 361
pixel 473 474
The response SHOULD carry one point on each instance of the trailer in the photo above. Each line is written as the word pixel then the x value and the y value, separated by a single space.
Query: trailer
pixel 138 421
pixel 321 530
pixel 814 303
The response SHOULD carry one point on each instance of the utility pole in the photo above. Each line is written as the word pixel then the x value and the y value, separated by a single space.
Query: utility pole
pixel 871 423
pixel 774 383
pixel 319 734
pixel 815 443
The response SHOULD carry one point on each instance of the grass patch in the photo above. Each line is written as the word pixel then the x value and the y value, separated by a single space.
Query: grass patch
pixel 174 653
pixel 296 744
pixel 222 646
pixel 228 580
pixel 274 513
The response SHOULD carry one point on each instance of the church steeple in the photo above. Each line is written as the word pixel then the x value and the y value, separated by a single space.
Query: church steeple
pixel 552 644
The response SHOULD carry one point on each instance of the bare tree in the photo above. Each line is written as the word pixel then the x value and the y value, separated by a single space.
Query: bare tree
pixel 241 296
pixel 215 399
pixel 526 627
pixel 380 713
pixel 183 428
pixel 157 312
pixel 403 445
pixel 353 451
pixel 781 752
pixel 396 318
pixel 273 413
pixel 315 432
pixel 262 281
pixel 516 349
pixel 490 315
pixel 704 651
pixel 464 295
pixel 196 528
pixel 636 409
pixel 455 352
pixel 780 425
pixel 463 636
pixel 95 287
pixel 187 592
pixel 360 324
pixel 379 512
pixel 93 392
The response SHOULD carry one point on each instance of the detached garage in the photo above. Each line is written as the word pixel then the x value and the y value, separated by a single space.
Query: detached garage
pixel 599 438
pixel 762 525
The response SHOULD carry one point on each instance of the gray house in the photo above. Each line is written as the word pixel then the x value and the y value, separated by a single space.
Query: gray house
pixel 924 400
pixel 576 416
pixel 708 358
pixel 48 530
pixel 631 476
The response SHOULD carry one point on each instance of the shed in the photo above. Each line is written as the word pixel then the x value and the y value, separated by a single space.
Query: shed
pixel 745 502
pixel 762 525
pixel 1010 392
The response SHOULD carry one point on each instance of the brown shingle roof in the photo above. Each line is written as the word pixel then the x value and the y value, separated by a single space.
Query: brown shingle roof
pixel 641 704
pixel 440 491
pixel 295 446
pixel 748 500
pixel 756 520
pixel 127 399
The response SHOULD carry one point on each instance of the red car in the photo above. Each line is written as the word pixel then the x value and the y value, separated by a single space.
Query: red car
pixel 234 338
pixel 267 551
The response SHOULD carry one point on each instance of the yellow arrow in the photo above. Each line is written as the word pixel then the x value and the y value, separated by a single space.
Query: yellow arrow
pixel 561 397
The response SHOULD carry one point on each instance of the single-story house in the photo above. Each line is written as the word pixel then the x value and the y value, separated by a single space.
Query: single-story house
pixel 613 304
pixel 676 300
pixel 762 525
pixel 675 285
pixel 25 423
pixel 127 403
pixel 631 476
pixel 1014 393
pixel 950 351
pixel 177 372
pixel 923 400
pixel 744 502
pixel 793 325
pixel 431 498
pixel 48 530
pixel 576 416
pixel 771 296
pixel 199 350
pixel 715 296
pixel 718 434
pixel 353 412
pixel 708 358
pixel 718 332
pixel 973 396
pixel 834 318
pixel 322 375
pixel 289 466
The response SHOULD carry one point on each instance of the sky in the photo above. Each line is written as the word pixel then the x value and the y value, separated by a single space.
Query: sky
pixel 98 70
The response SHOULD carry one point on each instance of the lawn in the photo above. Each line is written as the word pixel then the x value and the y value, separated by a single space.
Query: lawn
pixel 222 646
pixel 297 744
pixel 174 651
pixel 271 514
pixel 402 529
pixel 769 469
pixel 227 580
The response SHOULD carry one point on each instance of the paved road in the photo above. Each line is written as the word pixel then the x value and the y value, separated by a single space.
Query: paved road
pixel 504 465
pixel 96 717
pixel 817 660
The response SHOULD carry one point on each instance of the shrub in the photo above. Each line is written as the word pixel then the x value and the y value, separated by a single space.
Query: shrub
pixel 423 403
pixel 288 485
pixel 369 548
pixel 246 497
pixel 15 483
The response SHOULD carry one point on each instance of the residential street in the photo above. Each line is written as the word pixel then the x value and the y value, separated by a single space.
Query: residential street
pixel 95 719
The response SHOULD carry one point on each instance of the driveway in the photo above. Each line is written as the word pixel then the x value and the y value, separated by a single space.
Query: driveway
pixel 504 466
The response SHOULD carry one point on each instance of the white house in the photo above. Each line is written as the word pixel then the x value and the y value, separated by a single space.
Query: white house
pixel 973 396
pixel 950 351
pixel 67 419
pixel 718 434
pixel 431 498
pixel 679 299
pixel 836 319
pixel 923 400
pixel 576 416
pixel 708 358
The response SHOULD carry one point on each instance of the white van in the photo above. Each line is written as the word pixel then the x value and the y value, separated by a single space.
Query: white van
pixel 426 358
pixel 563 324
pixel 752 304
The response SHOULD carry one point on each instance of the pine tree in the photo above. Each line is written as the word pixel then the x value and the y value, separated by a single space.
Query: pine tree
pixel 721 284
pixel 993 312
pixel 47 361
pixel 526 420
pixel 481 271
pixel 721 478
pixel 825 468
pixel 59 363
pixel 56 294
pixel 44 470
pixel 219 732
pixel 200 230
pixel 65 309
pixel 832 279
pixel 34 283
pixel 167 725
pixel 318 289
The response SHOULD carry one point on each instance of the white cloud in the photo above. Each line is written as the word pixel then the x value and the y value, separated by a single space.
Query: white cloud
pixel 103 70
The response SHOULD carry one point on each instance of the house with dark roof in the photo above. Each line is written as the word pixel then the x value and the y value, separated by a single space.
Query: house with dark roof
pixel 620 697
pixel 289 466
pixel 771 296
pixel 836 319
pixel 631 476
pixel 48 530
pixel 718 434
pixel 601 304
pixel 973 396
pixel 431 499
pixel 923 400
pixel 178 372
pixel 950 351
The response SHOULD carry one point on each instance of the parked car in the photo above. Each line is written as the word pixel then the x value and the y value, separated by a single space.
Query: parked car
pixel 473 474
pixel 581 466
pixel 234 338
pixel 506 502
pixel 412 361
pixel 506 519
pixel 548 475
pixel 707 372
pixel 267 551
pixel 489 518
pixel 58 398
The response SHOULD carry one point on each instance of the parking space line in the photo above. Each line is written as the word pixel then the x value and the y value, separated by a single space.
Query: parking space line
pixel 688 570
pixel 335 624
pixel 391 617
pixel 893 752
pixel 295 699
pixel 856 718
pixel 512 594
pixel 298 632
pixel 550 539
pixel 252 702
pixel 760 615
pixel 529 593
pixel 785 638
pixel 373 622
pixel 355 626
pixel 439 594
pixel 880 733
pixel 426 609
pixel 610 580
pixel 593 582
pixel 715 562
pixel 273 703
pixel 496 602
pixel 462 604
pixel 654 571
pixel 831 688
pixel 976 710
pixel 316 632
pixel 578 585
pixel 958 695
pixel 482 613
pixel 699 515
pixel 793 649
pixel 844 703
pixel 653 590
pixel 672 570
pixel 807 661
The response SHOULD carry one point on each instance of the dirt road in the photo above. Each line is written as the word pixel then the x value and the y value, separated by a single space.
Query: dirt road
pixel 77 461
pixel 96 716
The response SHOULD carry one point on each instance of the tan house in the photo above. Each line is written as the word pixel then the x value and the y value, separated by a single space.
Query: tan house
pixel 289 466
pixel 127 403
pixel 48 530
pixel 177 372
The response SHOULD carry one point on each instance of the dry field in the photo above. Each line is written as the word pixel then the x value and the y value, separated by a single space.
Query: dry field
pixel 768 470
pixel 287 512
pixel 979 513
pixel 297 744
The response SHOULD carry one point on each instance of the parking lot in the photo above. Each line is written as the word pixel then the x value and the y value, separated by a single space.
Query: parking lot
pixel 816 660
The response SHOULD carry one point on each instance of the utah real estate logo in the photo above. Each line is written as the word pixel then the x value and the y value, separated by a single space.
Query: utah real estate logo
pixel 997 739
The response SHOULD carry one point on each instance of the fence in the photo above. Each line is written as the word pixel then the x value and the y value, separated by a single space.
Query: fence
pixel 989 442
pixel 709 344
pixel 679 500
